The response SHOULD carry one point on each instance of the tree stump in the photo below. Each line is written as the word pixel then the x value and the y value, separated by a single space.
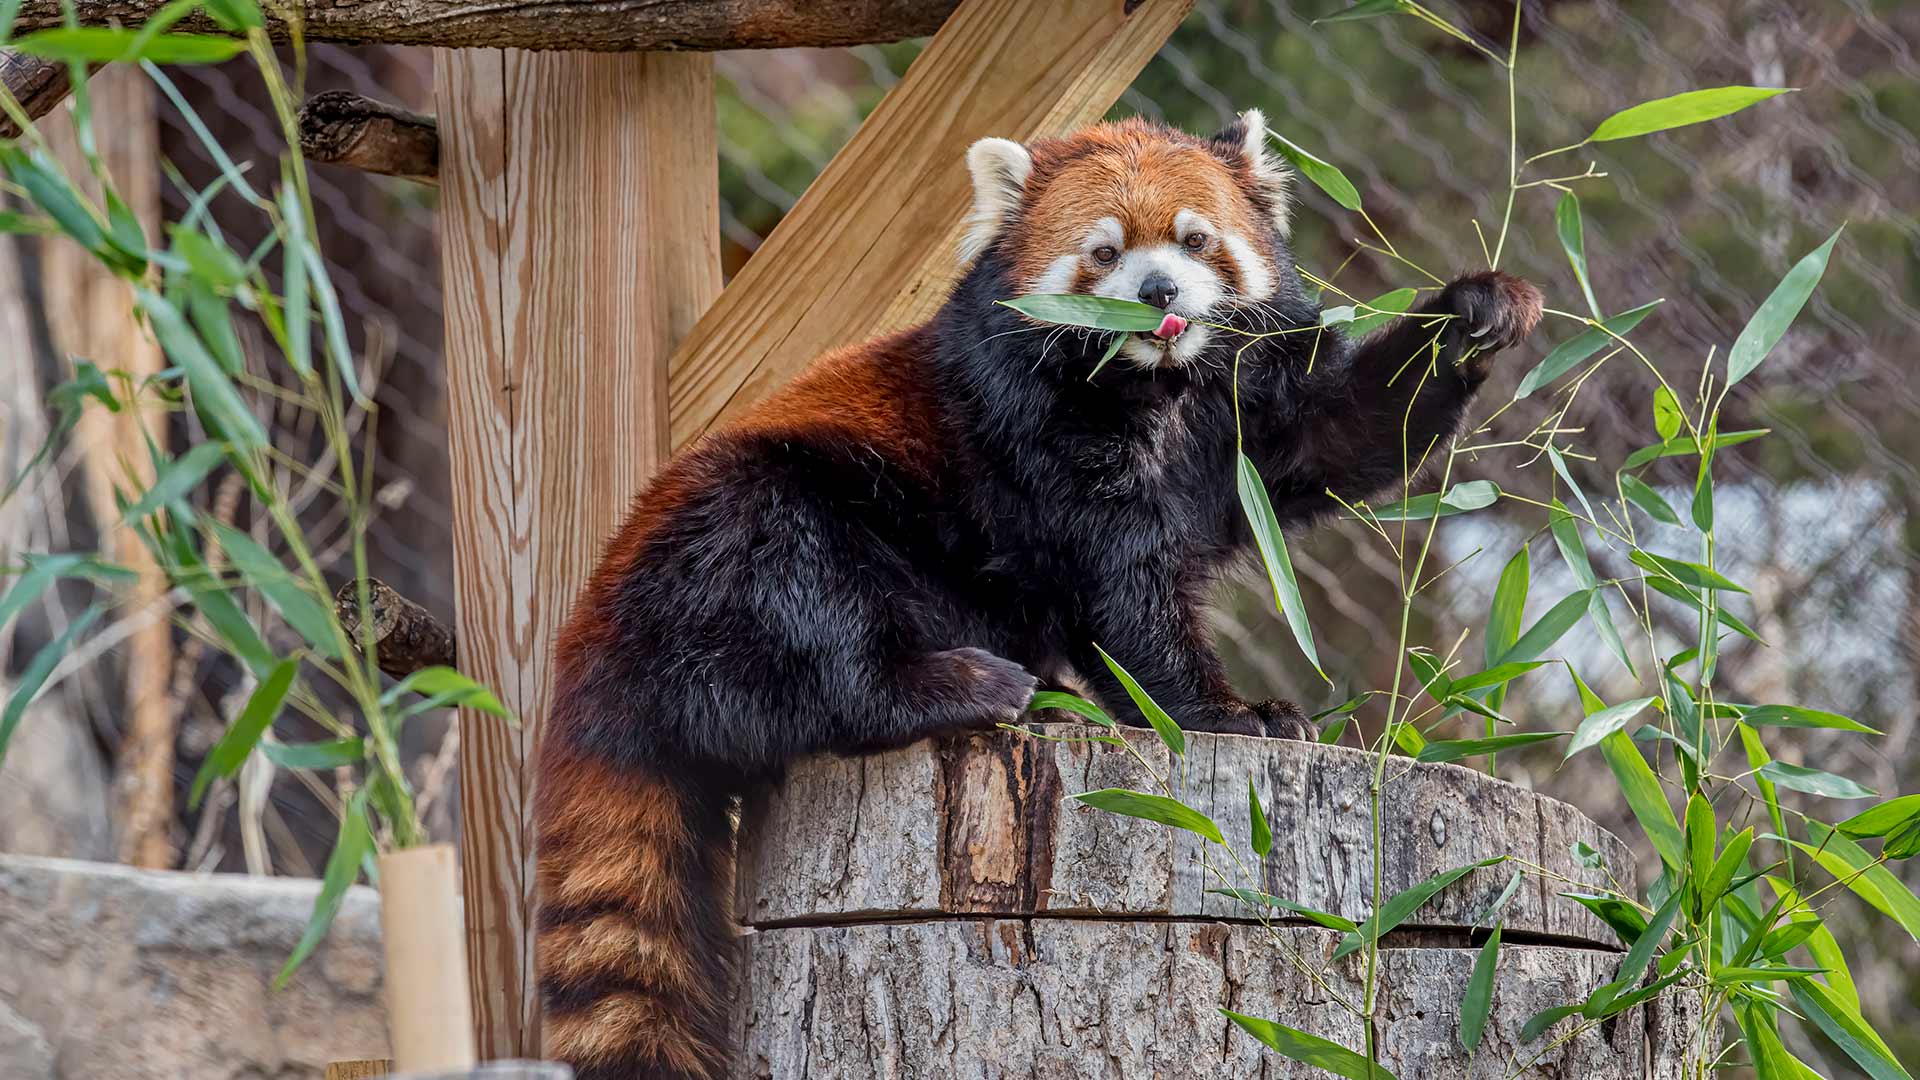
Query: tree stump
pixel 942 910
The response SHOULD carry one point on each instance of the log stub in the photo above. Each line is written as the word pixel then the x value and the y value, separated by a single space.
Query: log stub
pixel 947 910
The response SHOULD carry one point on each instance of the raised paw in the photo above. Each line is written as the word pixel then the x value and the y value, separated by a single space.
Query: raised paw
pixel 1496 311
pixel 1284 720
pixel 996 689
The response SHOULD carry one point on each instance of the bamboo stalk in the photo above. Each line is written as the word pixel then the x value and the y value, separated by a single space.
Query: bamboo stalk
pixel 429 1009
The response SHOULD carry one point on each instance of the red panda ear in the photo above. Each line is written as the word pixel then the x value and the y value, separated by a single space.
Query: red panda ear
pixel 1000 168
pixel 1246 140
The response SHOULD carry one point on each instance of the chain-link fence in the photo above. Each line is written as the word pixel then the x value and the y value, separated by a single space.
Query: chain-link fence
pixel 1820 519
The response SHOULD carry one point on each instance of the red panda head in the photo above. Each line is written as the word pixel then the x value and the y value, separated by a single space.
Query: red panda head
pixel 1136 211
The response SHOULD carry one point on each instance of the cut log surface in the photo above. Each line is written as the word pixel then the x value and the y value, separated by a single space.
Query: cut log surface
pixel 946 910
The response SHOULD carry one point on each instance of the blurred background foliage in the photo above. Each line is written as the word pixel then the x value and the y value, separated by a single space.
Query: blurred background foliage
pixel 1823 521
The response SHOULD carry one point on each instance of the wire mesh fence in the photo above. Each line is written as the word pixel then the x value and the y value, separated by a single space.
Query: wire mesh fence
pixel 1821 518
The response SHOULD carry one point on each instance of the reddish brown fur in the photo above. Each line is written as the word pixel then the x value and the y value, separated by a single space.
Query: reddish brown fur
pixel 1142 175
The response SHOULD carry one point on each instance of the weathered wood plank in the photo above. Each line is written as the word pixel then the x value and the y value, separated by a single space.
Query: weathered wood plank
pixel 1087 997
pixel 870 246
pixel 605 26
pixel 979 826
pixel 581 224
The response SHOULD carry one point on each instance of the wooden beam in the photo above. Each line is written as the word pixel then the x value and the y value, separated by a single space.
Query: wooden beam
pixel 870 246
pixel 339 127
pixel 604 26
pixel 580 223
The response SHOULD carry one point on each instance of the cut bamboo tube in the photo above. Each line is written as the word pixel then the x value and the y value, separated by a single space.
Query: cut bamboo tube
pixel 429 1011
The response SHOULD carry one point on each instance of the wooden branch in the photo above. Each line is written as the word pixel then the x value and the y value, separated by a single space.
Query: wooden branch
pixel 407 635
pixel 607 26
pixel 870 246
pixel 38 85
pixel 338 127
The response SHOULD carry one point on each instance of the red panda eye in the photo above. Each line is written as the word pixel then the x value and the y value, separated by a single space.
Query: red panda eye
pixel 1105 254
pixel 1196 241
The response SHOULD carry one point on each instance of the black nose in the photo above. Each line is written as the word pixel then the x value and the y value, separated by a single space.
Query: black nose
pixel 1158 290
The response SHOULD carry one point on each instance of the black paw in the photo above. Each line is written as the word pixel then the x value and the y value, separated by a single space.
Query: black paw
pixel 997 689
pixel 1284 720
pixel 1495 311
pixel 1234 718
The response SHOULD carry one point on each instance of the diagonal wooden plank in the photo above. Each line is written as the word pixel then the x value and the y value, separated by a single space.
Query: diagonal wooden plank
pixel 870 246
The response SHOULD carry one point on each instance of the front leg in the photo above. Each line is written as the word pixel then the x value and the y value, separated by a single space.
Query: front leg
pixel 1160 636
pixel 1372 412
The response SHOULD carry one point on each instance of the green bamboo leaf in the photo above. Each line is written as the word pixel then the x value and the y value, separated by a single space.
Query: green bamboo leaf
pixel 1314 915
pixel 1539 1022
pixel 1686 573
pixel 1872 882
pixel 1777 312
pixel 220 406
pixel 1572 351
pixel 1732 861
pixel 1667 416
pixel 1687 446
pixel 1601 616
pixel 1365 9
pixel 1323 175
pixel 444 682
pixel 1559 461
pixel 352 847
pixel 1771 1061
pixel 1647 499
pixel 1573 550
pixel 1573 240
pixel 1597 726
pixel 1824 948
pixel 1549 629
pixel 1273 556
pixel 1262 833
pixel 1639 957
pixel 1883 819
pixel 1310 1049
pixel 1701 831
pixel 1796 716
pixel 43 570
pixel 1404 903
pixel 1814 781
pixel 1074 703
pixel 1504 619
pixel 51 191
pixel 34 676
pixel 176 479
pixel 1140 804
pixel 1498 675
pixel 238 16
pixel 1757 756
pixel 1455 749
pixel 1671 588
pixel 1624 918
pixel 1094 312
pixel 309 617
pixel 1169 731
pixel 1680 110
pixel 213 319
pixel 1645 796
pixel 110 45
pixel 329 754
pixel 1703 488
pixel 1383 309
pixel 1842 1023
pixel 1784 939
pixel 263 705
pixel 1464 497
pixel 1113 349
pixel 1477 1003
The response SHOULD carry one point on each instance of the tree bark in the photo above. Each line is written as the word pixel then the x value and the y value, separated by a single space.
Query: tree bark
pixel 342 128
pixel 947 910
pixel 612 26
pixel 406 635
pixel 38 85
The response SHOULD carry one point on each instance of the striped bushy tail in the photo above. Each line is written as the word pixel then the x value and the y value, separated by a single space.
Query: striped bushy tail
pixel 636 939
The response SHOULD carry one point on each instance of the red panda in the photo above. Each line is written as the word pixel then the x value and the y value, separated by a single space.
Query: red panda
pixel 920 530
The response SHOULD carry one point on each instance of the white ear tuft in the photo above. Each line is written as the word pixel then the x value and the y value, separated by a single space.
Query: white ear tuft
pixel 1269 172
pixel 1000 168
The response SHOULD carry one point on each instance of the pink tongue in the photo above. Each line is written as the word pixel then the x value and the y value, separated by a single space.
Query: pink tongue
pixel 1170 327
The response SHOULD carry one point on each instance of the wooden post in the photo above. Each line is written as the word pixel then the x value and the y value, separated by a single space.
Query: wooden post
pixel 871 245
pixel 93 320
pixel 580 243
